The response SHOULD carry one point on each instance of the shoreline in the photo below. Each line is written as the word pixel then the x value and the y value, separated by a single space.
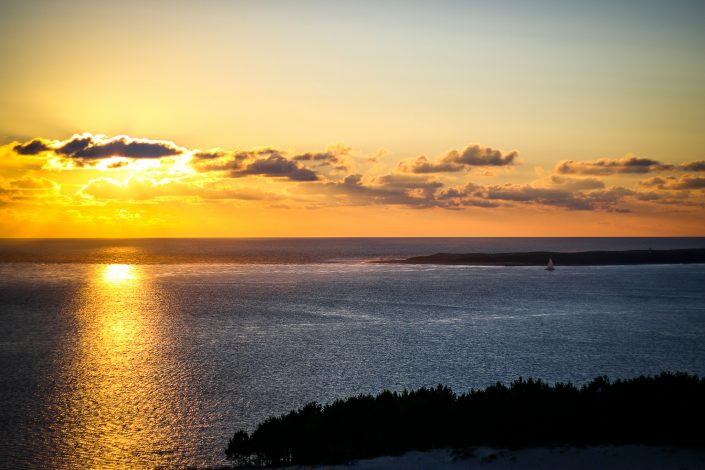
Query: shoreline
pixel 540 258
pixel 605 457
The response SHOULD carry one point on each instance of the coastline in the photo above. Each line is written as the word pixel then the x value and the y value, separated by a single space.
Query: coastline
pixel 540 258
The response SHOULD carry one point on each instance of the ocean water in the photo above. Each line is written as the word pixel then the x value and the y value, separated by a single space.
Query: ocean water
pixel 149 353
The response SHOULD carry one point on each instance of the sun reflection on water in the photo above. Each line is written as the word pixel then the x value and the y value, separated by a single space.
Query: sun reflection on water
pixel 121 410
pixel 118 273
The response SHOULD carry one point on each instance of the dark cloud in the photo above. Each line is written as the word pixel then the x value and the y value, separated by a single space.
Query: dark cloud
pixel 605 166
pixel 475 155
pixel 89 147
pixel 472 156
pixel 121 146
pixel 119 164
pixel 267 162
pixel 322 157
pixel 683 183
pixel 209 154
pixel 32 147
pixel 331 158
pixel 276 166
pixel 75 144
pixel 260 162
pixel 221 161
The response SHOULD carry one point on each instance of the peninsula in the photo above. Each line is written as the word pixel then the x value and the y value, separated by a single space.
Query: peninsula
pixel 540 258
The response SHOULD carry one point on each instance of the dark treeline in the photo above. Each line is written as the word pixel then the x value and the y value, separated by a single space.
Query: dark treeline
pixel 661 410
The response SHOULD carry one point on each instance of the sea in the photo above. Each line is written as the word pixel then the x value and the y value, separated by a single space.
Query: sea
pixel 152 353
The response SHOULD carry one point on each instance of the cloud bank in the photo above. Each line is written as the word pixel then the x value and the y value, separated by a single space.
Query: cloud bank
pixel 158 170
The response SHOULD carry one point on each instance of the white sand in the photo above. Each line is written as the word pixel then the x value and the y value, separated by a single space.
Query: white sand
pixel 601 457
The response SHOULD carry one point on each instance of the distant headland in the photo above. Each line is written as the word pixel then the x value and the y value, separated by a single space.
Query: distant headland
pixel 540 258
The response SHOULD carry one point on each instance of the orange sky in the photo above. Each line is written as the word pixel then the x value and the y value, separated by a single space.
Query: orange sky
pixel 352 118
pixel 88 185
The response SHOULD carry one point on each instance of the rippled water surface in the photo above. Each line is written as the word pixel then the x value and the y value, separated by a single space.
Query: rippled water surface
pixel 130 365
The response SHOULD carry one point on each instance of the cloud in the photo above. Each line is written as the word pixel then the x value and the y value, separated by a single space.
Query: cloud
pixel 472 156
pixel 603 167
pixel 698 165
pixel 422 192
pixel 570 196
pixel 220 160
pixel 330 158
pixel 424 165
pixel 32 147
pixel 30 188
pixel 261 162
pixel 210 154
pixel 162 171
pixel 276 166
pixel 686 182
pixel 391 189
pixel 89 147
pixel 543 196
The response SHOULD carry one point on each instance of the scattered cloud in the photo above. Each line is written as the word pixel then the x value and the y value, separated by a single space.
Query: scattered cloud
pixel 605 166
pixel 454 161
pixel 698 165
pixel 686 182
pixel 333 157
pixel 527 194
pixel 392 189
pixel 150 171
pixel 276 166
pixel 263 162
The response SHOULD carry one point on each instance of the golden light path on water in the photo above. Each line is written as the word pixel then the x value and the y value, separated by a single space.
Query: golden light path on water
pixel 126 398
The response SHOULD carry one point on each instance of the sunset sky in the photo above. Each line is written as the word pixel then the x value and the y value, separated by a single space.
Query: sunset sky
pixel 366 118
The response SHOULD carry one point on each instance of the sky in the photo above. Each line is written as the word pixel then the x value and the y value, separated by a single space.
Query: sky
pixel 385 118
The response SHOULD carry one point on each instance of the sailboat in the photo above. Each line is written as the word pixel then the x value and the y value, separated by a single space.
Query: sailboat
pixel 549 266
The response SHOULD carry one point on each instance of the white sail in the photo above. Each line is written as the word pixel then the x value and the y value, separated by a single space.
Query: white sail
pixel 550 267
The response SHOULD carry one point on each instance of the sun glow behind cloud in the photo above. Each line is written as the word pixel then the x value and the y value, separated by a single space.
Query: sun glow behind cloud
pixel 123 186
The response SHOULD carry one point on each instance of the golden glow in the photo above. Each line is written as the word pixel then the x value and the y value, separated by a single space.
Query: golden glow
pixel 123 406
pixel 165 189
pixel 116 274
